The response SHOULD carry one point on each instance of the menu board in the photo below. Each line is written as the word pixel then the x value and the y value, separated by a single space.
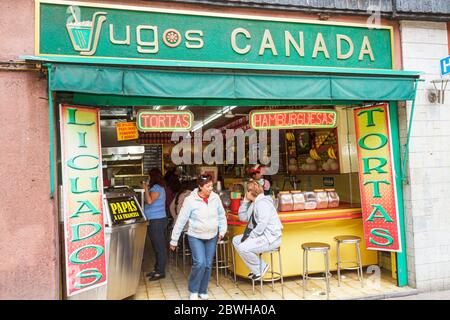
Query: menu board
pixel 153 157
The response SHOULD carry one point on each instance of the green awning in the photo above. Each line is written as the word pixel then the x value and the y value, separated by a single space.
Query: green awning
pixel 200 85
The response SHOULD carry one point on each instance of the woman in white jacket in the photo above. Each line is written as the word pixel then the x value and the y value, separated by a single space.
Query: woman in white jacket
pixel 265 226
pixel 207 224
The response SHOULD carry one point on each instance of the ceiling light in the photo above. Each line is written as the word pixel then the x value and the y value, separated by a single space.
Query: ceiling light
pixel 213 117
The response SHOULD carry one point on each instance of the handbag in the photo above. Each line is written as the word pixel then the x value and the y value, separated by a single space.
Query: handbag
pixel 249 229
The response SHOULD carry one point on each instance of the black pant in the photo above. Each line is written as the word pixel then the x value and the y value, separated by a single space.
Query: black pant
pixel 157 229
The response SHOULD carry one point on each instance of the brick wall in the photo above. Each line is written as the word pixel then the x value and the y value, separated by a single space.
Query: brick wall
pixel 427 210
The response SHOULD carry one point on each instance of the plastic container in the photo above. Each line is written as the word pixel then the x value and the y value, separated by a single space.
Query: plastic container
pixel 298 199
pixel 322 198
pixel 310 201
pixel 285 201
pixel 234 205
pixel 333 198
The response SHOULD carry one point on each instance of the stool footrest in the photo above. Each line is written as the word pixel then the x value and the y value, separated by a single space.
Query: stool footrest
pixel 349 268
pixel 277 274
pixel 307 276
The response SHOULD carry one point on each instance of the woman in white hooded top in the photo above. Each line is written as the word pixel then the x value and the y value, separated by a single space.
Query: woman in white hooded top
pixel 207 224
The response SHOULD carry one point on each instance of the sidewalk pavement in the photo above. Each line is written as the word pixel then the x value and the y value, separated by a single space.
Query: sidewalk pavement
pixel 437 295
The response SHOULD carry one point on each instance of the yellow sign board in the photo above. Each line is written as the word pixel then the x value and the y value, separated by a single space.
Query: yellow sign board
pixel 126 131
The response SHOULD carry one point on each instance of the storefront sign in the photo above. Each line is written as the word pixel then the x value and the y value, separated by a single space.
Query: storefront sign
pixel 82 197
pixel 292 119
pixel 164 36
pixel 123 209
pixel 126 131
pixel 376 178
pixel 151 120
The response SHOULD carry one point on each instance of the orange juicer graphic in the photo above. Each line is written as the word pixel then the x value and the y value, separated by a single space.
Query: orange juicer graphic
pixel 85 34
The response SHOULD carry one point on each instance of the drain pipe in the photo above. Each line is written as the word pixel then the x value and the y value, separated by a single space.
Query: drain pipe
pixel 51 131
pixel 405 154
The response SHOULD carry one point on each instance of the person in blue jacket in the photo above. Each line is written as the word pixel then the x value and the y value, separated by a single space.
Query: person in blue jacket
pixel 155 211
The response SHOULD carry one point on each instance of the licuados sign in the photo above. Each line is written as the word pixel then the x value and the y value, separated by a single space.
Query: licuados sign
pixel 82 199
pixel 160 36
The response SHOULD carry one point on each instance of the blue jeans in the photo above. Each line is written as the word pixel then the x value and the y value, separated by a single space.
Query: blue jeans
pixel 203 252
pixel 157 234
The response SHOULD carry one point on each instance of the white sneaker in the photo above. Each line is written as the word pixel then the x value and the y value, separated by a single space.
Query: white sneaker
pixel 204 296
pixel 193 296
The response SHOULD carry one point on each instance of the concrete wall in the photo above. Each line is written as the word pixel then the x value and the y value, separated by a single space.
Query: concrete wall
pixel 29 267
pixel 427 193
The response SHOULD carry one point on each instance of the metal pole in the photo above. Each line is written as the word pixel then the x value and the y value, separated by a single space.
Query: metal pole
pixel 51 133
pixel 402 269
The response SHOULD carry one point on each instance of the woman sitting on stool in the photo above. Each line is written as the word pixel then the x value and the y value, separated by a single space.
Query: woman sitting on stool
pixel 263 232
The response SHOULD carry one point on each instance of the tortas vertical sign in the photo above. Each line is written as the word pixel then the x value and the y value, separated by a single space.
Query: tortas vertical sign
pixel 82 196
pixel 376 179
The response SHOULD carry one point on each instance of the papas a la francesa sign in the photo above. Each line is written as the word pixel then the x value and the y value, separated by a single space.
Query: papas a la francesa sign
pixel 151 35
pixel 292 119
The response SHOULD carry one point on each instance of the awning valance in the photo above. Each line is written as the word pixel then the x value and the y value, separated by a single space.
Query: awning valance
pixel 164 84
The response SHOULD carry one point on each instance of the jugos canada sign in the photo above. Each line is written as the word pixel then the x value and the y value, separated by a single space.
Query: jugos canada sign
pixel 110 31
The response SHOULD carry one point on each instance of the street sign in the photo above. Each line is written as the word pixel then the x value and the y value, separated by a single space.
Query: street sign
pixel 445 66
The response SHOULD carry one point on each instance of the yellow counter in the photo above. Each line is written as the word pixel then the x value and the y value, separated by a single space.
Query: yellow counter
pixel 311 226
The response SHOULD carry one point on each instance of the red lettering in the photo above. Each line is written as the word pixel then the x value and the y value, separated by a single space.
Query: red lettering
pixel 146 120
pixel 331 118
pixel 280 120
pixel 154 121
pixel 161 121
pixel 170 120
pixel 256 120
pixel 177 123
pixel 319 118
pixel 313 119
pixel 293 119
pixel 265 121
pixel 301 119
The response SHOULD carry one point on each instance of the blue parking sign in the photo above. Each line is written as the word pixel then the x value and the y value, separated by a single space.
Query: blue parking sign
pixel 445 66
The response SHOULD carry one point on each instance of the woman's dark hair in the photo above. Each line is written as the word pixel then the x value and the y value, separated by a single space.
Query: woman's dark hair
pixel 186 185
pixel 156 177
pixel 204 179
pixel 173 182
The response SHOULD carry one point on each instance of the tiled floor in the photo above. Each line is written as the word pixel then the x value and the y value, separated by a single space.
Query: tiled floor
pixel 174 287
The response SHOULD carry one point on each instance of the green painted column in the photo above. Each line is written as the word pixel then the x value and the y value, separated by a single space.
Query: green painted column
pixel 402 267
pixel 51 133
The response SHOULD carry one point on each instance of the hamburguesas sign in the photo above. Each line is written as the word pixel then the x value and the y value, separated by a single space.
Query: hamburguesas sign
pixel 292 119
pixel 162 36
pixel 82 198
pixel 376 179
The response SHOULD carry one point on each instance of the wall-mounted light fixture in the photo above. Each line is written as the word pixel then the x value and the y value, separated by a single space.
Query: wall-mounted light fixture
pixel 438 93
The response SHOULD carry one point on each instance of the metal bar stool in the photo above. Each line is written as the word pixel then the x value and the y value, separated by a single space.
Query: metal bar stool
pixel 358 263
pixel 316 247
pixel 222 259
pixel 278 275
pixel 185 251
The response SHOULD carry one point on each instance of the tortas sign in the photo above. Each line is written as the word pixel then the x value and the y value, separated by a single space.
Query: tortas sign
pixel 155 35
pixel 376 179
